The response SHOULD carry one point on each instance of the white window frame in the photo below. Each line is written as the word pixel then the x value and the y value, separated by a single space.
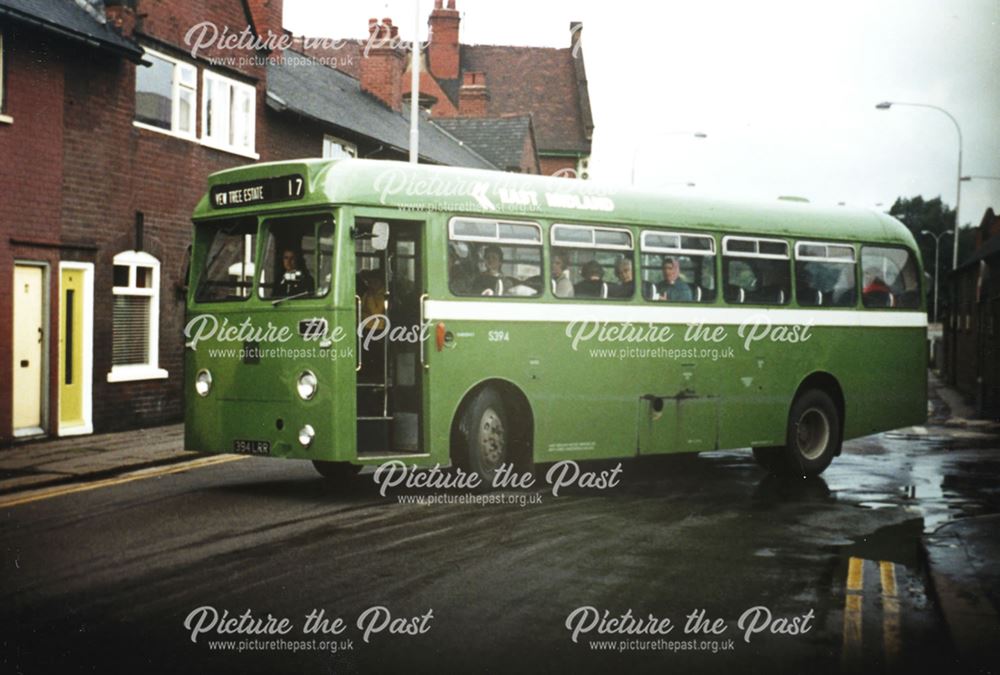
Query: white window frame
pixel 149 370
pixel 350 148
pixel 756 252
pixel 224 143
pixel 826 258
pixel 4 119
pixel 496 239
pixel 646 247
pixel 593 238
pixel 175 99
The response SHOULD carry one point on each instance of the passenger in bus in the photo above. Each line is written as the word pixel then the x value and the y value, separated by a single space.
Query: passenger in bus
pixel 673 288
pixel 592 285
pixel 491 281
pixel 373 300
pixel 458 272
pixel 295 279
pixel 562 285
pixel 876 293
pixel 625 288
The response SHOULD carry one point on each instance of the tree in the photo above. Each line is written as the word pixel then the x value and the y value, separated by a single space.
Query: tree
pixel 919 214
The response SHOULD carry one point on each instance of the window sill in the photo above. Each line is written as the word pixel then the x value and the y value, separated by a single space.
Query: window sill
pixel 6 119
pixel 165 132
pixel 249 154
pixel 136 373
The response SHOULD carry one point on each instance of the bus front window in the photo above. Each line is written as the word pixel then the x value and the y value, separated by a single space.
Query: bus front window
pixel 229 268
pixel 298 258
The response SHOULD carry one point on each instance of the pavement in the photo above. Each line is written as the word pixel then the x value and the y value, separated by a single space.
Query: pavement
pixel 961 555
pixel 76 459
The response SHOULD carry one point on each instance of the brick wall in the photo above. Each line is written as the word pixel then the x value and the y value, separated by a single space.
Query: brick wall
pixel 550 165
pixel 81 170
pixel 31 170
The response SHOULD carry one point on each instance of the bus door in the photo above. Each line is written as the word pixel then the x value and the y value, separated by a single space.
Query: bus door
pixel 681 420
pixel 389 282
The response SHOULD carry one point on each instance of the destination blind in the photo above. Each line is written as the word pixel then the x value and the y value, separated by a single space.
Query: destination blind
pixel 260 191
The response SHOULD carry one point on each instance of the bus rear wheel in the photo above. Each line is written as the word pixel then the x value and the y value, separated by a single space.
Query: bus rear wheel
pixel 485 435
pixel 338 473
pixel 813 437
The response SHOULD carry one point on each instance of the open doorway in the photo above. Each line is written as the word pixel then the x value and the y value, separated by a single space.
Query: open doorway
pixel 389 283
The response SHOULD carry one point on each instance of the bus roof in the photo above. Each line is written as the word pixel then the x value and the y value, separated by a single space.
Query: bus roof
pixel 497 194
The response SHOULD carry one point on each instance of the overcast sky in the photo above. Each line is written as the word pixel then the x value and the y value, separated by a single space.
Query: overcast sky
pixel 785 90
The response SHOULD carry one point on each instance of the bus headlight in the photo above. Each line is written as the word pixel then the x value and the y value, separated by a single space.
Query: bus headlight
pixel 203 382
pixel 306 435
pixel 306 385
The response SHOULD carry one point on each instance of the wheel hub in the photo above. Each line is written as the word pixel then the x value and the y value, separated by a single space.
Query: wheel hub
pixel 492 445
pixel 812 433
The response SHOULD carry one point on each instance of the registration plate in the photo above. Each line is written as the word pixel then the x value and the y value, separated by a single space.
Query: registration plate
pixel 252 447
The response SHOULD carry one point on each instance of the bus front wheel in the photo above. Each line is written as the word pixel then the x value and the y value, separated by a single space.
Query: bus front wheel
pixel 485 435
pixel 339 473
pixel 814 435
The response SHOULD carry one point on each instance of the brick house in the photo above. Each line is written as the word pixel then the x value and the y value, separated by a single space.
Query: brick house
pixel 108 137
pixel 490 84
pixel 972 327
pixel 109 127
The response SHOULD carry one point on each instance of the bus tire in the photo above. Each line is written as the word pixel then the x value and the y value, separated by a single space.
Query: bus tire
pixel 485 431
pixel 769 458
pixel 338 473
pixel 814 435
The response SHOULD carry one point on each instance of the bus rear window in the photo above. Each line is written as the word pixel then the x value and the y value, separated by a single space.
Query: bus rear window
pixel 229 267
pixel 891 279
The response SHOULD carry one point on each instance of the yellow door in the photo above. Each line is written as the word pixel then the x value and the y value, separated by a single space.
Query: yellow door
pixel 71 331
pixel 29 340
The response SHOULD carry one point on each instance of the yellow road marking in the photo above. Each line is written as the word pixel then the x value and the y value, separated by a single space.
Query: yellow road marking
pixel 852 614
pixel 890 614
pixel 855 574
pixel 49 493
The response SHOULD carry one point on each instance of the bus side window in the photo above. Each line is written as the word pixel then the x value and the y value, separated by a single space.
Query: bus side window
pixel 591 262
pixel 491 258
pixel 677 267
pixel 756 271
pixel 890 278
pixel 825 275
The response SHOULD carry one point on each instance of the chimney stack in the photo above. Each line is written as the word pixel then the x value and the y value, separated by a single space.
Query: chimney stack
pixel 382 64
pixel 121 16
pixel 442 52
pixel 267 17
pixel 472 96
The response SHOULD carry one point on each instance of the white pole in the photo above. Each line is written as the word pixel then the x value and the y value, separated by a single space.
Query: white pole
pixel 415 86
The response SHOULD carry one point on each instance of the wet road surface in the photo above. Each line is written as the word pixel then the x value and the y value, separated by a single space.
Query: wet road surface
pixel 105 579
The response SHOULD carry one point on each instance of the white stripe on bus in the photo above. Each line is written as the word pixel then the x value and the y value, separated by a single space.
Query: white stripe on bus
pixel 458 310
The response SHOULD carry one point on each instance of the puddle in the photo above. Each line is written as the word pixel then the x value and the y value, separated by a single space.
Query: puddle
pixel 899 543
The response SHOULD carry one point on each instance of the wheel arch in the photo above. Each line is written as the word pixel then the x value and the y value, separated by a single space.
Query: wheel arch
pixel 521 420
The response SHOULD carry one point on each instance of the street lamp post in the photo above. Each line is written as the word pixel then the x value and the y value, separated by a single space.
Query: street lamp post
pixel 693 134
pixel 885 105
pixel 937 267
pixel 966 179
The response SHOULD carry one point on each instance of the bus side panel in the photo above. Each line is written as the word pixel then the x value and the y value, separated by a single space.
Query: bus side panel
pixel 886 385
pixel 579 406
